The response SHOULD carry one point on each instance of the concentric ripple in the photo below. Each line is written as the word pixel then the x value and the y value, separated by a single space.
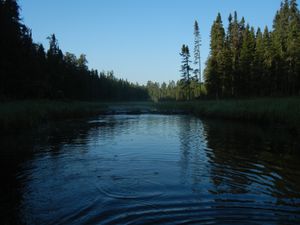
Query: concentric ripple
pixel 155 169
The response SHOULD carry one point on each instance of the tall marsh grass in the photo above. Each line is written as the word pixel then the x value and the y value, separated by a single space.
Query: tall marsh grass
pixel 262 110
pixel 27 114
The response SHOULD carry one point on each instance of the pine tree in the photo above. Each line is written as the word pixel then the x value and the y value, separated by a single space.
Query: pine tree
pixel 82 62
pixel 186 70
pixel 197 55
pixel 55 67
pixel 213 72
pixel 226 69
pixel 54 52
pixel 269 62
pixel 17 52
pixel 246 61
pixel 258 67
pixel 293 49
pixel 234 39
pixel 228 75
pixel 280 78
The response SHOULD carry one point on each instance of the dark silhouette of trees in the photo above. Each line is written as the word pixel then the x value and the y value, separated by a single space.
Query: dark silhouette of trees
pixel 28 71
pixel 214 70
pixel 245 63
pixel 15 49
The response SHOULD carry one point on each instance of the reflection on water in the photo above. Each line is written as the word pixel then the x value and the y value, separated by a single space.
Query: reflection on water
pixel 150 169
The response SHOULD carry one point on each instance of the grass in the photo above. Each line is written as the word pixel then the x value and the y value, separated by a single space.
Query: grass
pixel 27 114
pixel 285 111
pixel 18 115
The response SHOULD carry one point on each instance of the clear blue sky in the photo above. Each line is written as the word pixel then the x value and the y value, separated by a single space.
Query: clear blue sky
pixel 139 39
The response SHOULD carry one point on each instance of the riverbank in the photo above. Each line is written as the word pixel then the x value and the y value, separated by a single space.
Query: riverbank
pixel 279 111
pixel 20 115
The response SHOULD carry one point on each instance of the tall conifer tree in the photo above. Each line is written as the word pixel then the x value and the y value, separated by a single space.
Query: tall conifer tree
pixel 186 70
pixel 197 54
pixel 213 72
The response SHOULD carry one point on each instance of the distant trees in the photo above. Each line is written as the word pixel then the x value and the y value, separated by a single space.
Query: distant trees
pixel 244 62
pixel 172 91
pixel 28 71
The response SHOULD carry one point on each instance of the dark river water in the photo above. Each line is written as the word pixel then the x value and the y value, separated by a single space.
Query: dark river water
pixel 150 169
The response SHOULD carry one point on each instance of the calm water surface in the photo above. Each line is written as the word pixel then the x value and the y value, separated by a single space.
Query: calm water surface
pixel 150 169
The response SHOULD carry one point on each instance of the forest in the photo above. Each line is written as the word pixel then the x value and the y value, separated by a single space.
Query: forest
pixel 243 62
pixel 28 71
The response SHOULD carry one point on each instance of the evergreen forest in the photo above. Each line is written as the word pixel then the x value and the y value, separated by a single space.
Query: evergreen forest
pixel 243 62
pixel 28 71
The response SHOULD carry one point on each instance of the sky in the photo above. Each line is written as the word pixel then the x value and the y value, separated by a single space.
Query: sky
pixel 139 40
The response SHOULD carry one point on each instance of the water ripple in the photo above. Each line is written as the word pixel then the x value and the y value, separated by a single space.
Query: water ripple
pixel 154 169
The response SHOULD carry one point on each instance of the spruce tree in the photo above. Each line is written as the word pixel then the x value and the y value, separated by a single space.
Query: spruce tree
pixel 293 49
pixel 226 69
pixel 186 70
pixel 197 55
pixel 228 63
pixel 55 67
pixel 269 63
pixel 258 66
pixel 213 72
pixel 280 77
pixel 246 61
pixel 235 50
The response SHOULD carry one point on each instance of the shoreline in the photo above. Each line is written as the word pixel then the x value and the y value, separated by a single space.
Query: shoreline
pixel 18 115
pixel 262 111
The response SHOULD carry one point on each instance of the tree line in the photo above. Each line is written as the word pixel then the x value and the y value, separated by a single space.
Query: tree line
pixel 27 70
pixel 175 90
pixel 245 62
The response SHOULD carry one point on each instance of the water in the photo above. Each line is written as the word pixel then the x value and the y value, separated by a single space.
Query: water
pixel 150 169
